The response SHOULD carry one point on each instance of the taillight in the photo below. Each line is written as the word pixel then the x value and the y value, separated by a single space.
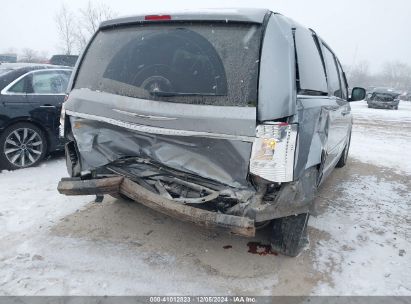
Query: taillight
pixel 272 156
pixel 63 117
pixel 157 17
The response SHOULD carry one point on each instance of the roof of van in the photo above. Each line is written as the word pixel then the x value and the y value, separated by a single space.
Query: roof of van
pixel 251 15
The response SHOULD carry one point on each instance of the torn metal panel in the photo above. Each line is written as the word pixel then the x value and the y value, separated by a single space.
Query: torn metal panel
pixel 290 199
pixel 314 122
pixel 222 160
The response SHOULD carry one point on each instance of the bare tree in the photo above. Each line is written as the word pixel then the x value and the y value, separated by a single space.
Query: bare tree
pixel 93 15
pixel 89 20
pixel 29 55
pixel 396 75
pixel 359 75
pixel 66 26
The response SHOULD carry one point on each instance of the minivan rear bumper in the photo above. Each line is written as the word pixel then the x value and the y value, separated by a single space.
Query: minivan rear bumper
pixel 238 225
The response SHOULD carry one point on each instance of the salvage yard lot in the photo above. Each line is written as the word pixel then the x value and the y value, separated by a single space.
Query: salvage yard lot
pixel 359 242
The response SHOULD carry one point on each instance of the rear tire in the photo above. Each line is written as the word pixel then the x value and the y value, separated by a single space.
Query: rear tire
pixel 289 234
pixel 344 156
pixel 22 145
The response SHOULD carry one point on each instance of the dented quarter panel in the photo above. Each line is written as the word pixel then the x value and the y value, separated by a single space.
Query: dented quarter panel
pixel 321 138
pixel 292 199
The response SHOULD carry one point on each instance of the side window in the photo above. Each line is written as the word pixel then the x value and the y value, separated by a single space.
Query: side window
pixel 49 82
pixel 19 87
pixel 332 73
pixel 344 88
pixel 312 79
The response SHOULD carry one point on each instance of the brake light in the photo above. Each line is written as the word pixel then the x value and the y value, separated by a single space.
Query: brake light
pixel 63 117
pixel 283 124
pixel 157 17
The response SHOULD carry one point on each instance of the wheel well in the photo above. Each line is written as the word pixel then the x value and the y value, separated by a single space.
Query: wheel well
pixel 35 123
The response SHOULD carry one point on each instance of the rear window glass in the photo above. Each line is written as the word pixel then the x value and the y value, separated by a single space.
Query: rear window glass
pixel 214 63
pixel 50 82
pixel 67 60
pixel 333 76
pixel 312 79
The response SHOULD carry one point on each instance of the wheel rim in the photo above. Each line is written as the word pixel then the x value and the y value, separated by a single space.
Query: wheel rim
pixel 23 147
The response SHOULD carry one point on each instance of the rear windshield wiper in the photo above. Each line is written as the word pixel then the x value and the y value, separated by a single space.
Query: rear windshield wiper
pixel 167 94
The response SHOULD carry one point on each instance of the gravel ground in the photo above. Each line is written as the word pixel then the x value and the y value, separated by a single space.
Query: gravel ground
pixel 359 241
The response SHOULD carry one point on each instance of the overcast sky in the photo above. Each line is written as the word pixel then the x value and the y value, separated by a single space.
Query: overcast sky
pixel 372 30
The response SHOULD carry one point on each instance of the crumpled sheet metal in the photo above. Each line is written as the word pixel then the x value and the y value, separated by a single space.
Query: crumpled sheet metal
pixel 293 198
pixel 221 160
pixel 312 139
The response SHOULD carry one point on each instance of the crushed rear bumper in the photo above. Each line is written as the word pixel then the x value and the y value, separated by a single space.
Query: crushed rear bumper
pixel 238 225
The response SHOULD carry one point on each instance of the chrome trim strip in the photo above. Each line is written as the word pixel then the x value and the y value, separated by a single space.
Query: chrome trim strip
pixel 157 130
pixel 5 90
pixel 144 116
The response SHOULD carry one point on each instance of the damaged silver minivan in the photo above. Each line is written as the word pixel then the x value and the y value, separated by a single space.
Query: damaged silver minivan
pixel 223 118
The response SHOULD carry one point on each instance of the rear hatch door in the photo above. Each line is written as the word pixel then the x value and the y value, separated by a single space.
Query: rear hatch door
pixel 181 94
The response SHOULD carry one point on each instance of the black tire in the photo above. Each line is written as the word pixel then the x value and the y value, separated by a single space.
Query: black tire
pixel 396 107
pixel 22 145
pixel 289 234
pixel 344 155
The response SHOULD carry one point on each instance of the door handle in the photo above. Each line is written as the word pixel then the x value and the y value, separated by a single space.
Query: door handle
pixel 48 106
pixel 345 112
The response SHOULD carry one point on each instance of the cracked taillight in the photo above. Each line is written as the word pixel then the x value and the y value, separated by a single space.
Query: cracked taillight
pixel 272 156
pixel 63 117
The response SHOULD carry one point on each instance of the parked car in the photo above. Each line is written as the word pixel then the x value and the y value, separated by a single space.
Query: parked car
pixel 30 104
pixel 406 96
pixel 220 126
pixel 384 99
pixel 8 58
pixel 65 60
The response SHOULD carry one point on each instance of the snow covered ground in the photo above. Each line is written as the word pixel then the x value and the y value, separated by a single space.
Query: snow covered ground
pixel 359 243
pixel 382 136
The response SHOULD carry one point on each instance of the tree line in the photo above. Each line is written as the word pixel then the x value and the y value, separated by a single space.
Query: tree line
pixel 74 28
pixel 393 74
